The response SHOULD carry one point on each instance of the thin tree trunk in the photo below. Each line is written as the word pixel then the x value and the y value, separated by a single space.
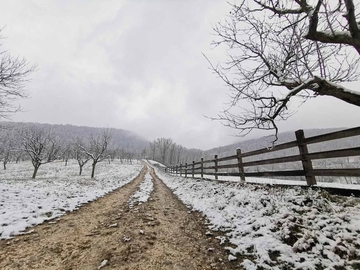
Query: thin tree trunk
pixel 81 167
pixel 93 170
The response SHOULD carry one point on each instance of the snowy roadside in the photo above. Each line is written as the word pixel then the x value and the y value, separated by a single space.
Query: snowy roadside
pixel 277 228
pixel 273 181
pixel 25 202
pixel 143 193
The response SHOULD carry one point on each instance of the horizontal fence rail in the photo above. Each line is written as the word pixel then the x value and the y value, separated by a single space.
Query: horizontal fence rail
pixel 212 166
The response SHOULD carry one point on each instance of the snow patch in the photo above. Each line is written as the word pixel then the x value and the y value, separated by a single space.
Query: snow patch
pixel 143 193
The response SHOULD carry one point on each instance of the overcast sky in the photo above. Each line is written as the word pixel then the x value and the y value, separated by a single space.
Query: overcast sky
pixel 134 65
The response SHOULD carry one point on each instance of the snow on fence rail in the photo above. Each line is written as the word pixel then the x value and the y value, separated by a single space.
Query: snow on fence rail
pixel 212 167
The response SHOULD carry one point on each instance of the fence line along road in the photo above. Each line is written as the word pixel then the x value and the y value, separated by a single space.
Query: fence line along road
pixel 212 167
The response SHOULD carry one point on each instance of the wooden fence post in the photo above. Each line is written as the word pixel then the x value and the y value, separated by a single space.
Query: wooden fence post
pixel 176 169
pixel 240 164
pixel 193 169
pixel 180 170
pixel 216 169
pixel 186 170
pixel 202 168
pixel 306 162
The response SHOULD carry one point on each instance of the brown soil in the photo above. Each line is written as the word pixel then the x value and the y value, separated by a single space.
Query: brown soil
pixel 158 234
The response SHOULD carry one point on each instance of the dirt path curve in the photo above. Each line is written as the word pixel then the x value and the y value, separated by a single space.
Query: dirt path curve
pixel 158 234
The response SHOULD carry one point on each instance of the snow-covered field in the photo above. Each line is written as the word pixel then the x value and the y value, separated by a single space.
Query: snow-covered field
pixel 277 228
pixel 25 202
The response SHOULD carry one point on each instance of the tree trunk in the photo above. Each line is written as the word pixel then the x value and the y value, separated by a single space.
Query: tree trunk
pixel 4 165
pixel 81 167
pixel 35 171
pixel 66 162
pixel 93 170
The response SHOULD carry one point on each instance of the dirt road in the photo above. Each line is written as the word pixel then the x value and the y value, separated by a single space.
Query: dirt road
pixel 107 234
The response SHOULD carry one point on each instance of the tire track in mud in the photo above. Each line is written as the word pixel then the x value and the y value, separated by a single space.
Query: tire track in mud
pixel 158 234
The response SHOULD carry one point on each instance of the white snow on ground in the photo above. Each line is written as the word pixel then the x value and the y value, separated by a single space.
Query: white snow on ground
pixel 153 162
pixel 25 202
pixel 272 181
pixel 274 227
pixel 143 193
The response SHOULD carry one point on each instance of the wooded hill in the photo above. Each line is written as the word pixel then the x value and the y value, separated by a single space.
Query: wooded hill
pixel 120 138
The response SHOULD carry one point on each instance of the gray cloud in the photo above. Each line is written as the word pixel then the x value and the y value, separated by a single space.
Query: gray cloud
pixel 134 65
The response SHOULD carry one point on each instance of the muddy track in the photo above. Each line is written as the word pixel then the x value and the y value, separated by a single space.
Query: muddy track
pixel 158 234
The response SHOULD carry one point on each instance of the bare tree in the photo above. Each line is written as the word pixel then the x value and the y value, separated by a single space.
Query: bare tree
pixel 158 150
pixel 163 145
pixel 13 74
pixel 129 157
pixel 66 152
pixel 172 151
pixel 279 50
pixel 179 153
pixel 79 154
pixel 97 149
pixel 41 147
pixel 6 148
pixel 151 150
pixel 332 22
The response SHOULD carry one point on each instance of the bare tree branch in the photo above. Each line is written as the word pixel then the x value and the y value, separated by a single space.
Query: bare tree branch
pixel 13 75
pixel 272 58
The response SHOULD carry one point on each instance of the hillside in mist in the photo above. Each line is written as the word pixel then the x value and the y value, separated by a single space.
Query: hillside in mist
pixel 124 139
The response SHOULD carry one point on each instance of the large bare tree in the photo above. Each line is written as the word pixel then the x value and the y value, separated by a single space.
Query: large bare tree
pixel 13 75
pixel 79 154
pixel 97 148
pixel 41 147
pixel 163 144
pixel 278 50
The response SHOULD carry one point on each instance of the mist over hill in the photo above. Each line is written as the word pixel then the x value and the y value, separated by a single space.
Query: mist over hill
pixel 124 139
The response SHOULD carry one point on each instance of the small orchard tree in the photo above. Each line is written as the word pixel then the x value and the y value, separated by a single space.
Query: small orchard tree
pixel 280 50
pixel 6 148
pixel 79 154
pixel 96 149
pixel 66 152
pixel 41 147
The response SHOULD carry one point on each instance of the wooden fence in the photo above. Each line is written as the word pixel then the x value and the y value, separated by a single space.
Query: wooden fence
pixel 212 167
